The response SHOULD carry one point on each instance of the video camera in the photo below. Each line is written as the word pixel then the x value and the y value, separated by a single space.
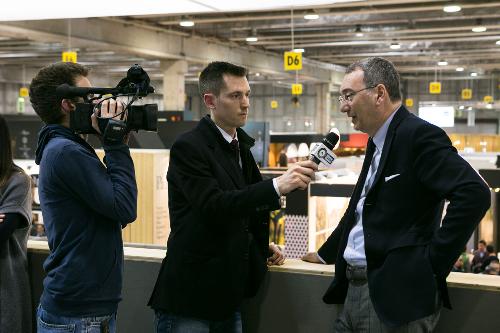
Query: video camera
pixel 135 86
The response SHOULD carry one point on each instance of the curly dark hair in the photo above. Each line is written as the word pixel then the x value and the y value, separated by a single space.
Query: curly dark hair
pixel 43 96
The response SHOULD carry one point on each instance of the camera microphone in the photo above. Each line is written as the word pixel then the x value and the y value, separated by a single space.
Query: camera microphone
pixel 322 152
pixel 67 91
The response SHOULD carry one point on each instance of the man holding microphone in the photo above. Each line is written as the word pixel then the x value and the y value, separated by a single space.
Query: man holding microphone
pixel 219 213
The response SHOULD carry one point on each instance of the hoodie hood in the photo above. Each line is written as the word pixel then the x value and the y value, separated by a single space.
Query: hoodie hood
pixel 53 131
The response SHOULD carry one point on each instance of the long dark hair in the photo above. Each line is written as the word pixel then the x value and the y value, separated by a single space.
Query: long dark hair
pixel 7 165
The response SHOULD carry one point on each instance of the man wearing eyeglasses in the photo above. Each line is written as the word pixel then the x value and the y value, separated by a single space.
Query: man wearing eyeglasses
pixel 391 252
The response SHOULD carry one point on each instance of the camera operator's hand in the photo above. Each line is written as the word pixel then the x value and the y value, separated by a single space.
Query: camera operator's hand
pixel 297 176
pixel 110 109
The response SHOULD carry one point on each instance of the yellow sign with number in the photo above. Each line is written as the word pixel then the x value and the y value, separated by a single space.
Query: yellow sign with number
pixel 274 104
pixel 466 93
pixel 297 89
pixel 435 88
pixel 69 56
pixel 293 61
pixel 23 92
pixel 409 102
pixel 488 99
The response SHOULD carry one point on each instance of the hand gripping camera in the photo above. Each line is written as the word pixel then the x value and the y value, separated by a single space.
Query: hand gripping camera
pixel 134 86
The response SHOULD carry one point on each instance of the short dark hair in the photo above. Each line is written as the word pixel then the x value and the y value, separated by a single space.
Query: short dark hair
pixel 43 96
pixel 379 71
pixel 482 241
pixel 212 77
pixel 490 248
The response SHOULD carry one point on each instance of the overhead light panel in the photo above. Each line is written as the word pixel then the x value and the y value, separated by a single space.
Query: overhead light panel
pixel 395 46
pixel 186 23
pixel 452 8
pixel 459 69
pixel 443 63
pixel 461 107
pixel 299 50
pixel 498 42
pixel 252 39
pixel 311 16
pixel 479 26
pixel 474 74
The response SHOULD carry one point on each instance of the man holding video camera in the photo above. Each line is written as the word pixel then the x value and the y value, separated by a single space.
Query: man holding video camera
pixel 85 205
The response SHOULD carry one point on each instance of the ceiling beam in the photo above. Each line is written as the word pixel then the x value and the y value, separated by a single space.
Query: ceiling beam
pixel 143 42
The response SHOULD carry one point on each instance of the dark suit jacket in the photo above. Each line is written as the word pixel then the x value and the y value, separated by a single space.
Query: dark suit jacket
pixel 219 218
pixel 408 254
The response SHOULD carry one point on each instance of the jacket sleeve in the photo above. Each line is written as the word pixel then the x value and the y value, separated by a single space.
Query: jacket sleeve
pixel 439 167
pixel 111 191
pixel 190 171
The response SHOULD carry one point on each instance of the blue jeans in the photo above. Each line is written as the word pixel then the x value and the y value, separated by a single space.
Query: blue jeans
pixel 169 323
pixel 52 323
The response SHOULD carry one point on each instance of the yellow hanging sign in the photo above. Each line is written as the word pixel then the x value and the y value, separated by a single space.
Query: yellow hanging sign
pixel 292 61
pixel 409 102
pixel 296 89
pixel 466 93
pixel 274 104
pixel 488 99
pixel 23 92
pixel 69 56
pixel 435 88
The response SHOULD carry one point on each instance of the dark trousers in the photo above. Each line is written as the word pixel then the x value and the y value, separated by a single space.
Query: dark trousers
pixel 358 314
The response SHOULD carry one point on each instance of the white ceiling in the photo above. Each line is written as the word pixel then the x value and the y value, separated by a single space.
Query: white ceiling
pixel 57 9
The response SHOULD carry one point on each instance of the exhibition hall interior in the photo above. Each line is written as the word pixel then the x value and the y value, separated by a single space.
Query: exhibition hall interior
pixel 296 52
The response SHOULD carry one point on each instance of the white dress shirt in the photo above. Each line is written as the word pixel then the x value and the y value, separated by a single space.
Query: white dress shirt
pixel 354 252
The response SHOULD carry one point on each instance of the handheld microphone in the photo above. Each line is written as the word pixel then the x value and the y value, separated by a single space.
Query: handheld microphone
pixel 322 152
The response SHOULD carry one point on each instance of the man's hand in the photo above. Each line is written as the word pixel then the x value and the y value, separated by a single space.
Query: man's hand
pixel 277 257
pixel 109 109
pixel 2 216
pixel 297 176
pixel 312 257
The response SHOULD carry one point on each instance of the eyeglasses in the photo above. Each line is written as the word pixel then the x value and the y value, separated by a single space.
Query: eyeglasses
pixel 350 96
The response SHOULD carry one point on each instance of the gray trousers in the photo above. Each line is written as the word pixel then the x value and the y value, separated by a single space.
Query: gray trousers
pixel 358 315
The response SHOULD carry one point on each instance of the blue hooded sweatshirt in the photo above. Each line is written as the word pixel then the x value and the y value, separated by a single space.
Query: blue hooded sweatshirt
pixel 85 205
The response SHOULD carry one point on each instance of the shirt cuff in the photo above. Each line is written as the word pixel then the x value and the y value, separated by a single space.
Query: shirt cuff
pixel 275 184
pixel 320 259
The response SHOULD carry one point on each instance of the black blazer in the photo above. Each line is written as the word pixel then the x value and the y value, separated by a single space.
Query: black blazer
pixel 219 219
pixel 408 254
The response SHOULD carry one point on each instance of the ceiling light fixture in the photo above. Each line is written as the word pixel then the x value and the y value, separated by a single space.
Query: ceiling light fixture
pixel 299 50
pixel 257 74
pixel 251 39
pixel 452 8
pixel 311 16
pixel 443 63
pixel 186 23
pixel 461 107
pixel 474 74
pixel 459 69
pixel 498 42
pixel 479 26
pixel 395 46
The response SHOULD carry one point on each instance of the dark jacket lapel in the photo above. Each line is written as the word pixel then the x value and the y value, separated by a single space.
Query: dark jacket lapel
pixel 401 114
pixel 222 150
